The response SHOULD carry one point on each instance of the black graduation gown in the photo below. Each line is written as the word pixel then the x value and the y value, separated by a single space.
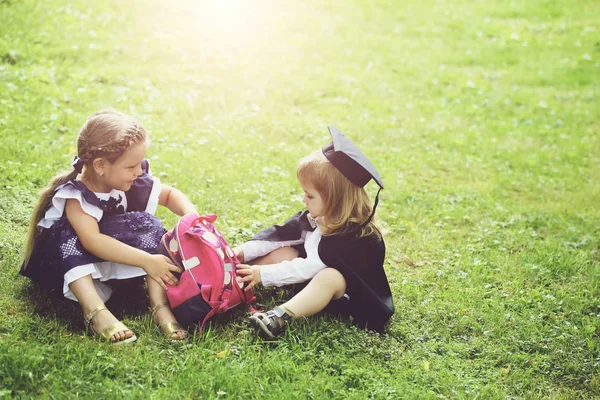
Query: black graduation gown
pixel 359 260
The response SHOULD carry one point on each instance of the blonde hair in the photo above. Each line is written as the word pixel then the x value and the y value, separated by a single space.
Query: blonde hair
pixel 346 206
pixel 106 134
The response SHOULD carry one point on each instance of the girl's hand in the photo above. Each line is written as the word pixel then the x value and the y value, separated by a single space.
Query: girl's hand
pixel 239 254
pixel 160 269
pixel 249 274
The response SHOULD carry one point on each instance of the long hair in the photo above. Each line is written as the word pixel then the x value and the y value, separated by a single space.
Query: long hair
pixel 346 206
pixel 107 134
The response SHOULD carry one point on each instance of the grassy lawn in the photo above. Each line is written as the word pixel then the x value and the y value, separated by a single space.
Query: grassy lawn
pixel 481 116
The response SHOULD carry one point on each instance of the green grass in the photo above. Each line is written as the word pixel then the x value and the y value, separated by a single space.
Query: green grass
pixel 481 116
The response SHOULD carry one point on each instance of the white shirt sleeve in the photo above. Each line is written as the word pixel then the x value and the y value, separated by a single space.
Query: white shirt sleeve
pixel 297 270
pixel 57 206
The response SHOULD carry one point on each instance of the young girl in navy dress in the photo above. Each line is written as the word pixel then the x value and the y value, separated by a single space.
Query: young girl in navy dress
pixel 96 224
pixel 334 245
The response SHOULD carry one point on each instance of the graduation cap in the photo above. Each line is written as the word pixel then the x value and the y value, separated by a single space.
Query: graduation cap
pixel 351 162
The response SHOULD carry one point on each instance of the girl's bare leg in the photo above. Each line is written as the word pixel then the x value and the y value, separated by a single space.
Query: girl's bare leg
pixel 276 256
pixel 85 292
pixel 327 285
pixel 163 315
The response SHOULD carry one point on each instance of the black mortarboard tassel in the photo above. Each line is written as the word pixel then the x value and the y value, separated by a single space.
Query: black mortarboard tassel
pixel 352 163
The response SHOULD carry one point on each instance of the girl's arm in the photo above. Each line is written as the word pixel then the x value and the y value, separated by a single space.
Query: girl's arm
pixel 158 267
pixel 175 201
pixel 283 273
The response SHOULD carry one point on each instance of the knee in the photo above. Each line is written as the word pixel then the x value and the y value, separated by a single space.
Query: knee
pixel 276 256
pixel 333 279
pixel 286 253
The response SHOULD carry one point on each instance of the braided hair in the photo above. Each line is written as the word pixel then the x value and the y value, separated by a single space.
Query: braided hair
pixel 107 134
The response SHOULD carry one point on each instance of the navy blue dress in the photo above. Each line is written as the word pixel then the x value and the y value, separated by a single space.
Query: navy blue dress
pixel 58 257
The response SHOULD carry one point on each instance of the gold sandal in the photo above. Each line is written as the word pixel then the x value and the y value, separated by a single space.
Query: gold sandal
pixel 108 332
pixel 169 328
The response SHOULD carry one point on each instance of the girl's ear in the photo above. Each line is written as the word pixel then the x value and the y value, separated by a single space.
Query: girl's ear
pixel 99 165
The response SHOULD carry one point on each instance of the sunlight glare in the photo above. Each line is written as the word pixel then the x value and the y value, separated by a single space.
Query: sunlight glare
pixel 228 17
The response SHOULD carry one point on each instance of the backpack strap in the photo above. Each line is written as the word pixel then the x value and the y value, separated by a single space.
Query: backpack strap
pixel 224 306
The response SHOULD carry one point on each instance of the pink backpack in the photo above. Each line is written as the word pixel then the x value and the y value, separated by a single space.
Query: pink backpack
pixel 209 283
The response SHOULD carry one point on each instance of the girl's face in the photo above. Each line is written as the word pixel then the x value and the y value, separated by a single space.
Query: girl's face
pixel 121 173
pixel 312 200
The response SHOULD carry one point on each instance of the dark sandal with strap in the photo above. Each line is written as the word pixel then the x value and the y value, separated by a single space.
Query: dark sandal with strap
pixel 268 323
pixel 169 328
pixel 109 331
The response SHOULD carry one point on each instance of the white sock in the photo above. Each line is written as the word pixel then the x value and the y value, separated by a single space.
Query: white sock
pixel 282 312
